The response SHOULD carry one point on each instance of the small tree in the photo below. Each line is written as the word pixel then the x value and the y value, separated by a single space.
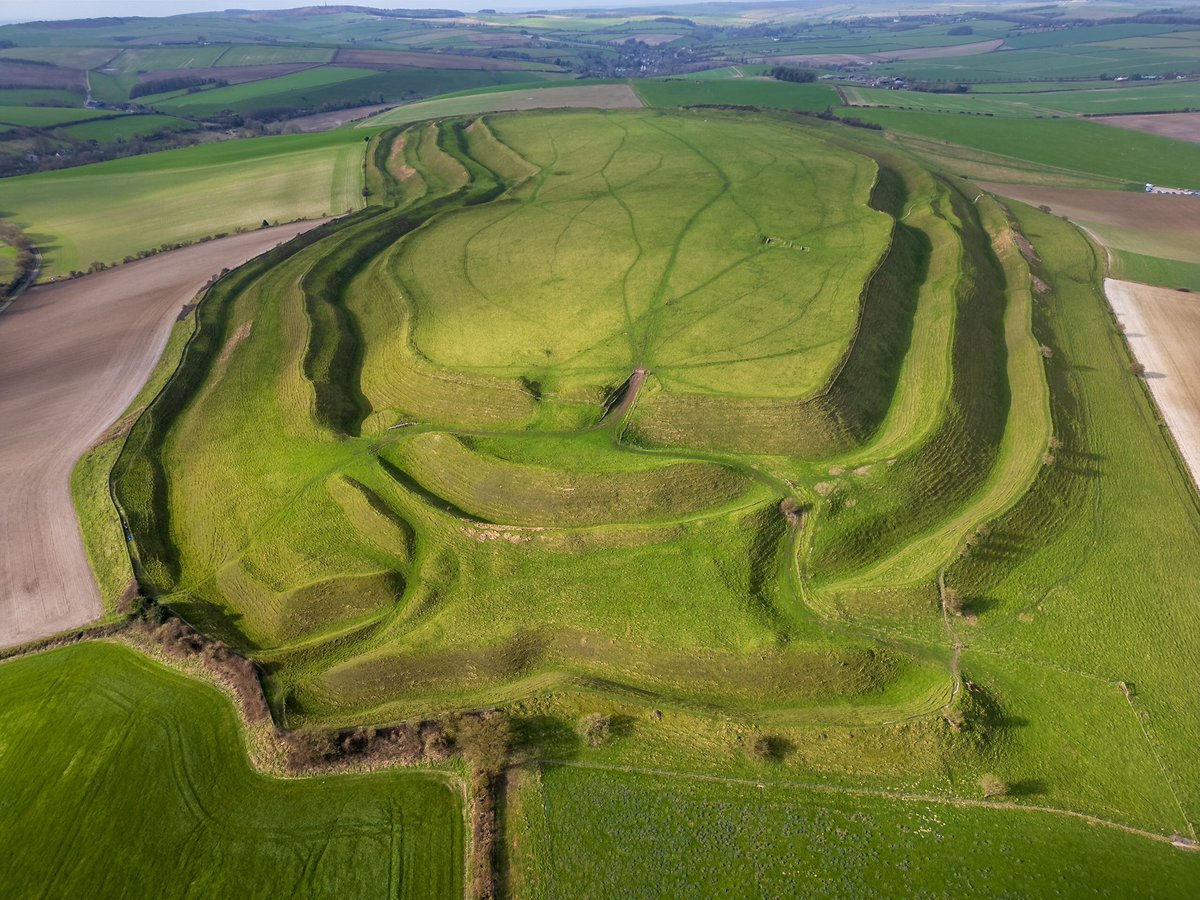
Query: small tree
pixel 768 748
pixel 595 728
pixel 952 601
pixel 484 741
pixel 992 786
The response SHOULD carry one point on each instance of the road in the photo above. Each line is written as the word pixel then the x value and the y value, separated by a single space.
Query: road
pixel 73 355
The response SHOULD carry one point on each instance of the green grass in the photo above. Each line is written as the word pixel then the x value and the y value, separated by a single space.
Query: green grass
pixel 1018 102
pixel 237 96
pixel 1078 146
pixel 471 102
pixel 108 756
pixel 738 92
pixel 1172 273
pixel 183 195
pixel 34 96
pixel 48 117
pixel 312 88
pixel 259 55
pixel 605 832
pixel 385 468
pixel 127 128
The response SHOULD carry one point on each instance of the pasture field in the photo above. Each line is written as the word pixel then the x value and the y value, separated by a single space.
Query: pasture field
pixel 236 96
pixel 126 128
pixel 123 778
pixel 738 92
pixel 44 117
pixel 1071 146
pixel 182 195
pixel 1018 101
pixel 602 831
pixel 501 99
pixel 332 85
pixel 260 55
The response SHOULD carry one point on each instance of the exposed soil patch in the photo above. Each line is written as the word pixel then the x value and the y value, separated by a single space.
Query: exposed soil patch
pixel 1163 330
pixel 1181 126
pixel 396 164
pixel 72 357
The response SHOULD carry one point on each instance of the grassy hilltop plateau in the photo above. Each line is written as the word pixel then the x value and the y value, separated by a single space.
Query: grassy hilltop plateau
pixel 693 455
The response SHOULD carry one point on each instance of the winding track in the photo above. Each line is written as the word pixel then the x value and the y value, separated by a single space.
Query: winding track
pixel 72 357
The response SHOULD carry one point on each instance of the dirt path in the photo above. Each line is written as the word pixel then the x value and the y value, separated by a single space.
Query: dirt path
pixel 1163 329
pixel 73 355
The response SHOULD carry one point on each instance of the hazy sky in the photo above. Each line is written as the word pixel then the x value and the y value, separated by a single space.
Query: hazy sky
pixel 14 11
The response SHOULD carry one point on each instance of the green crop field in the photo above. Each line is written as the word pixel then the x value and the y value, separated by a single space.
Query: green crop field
pixel 126 128
pixel 183 195
pixel 603 831
pixel 238 95
pixel 1166 97
pixel 110 757
pixel 44 117
pixel 739 92
pixel 1075 145
pixel 252 55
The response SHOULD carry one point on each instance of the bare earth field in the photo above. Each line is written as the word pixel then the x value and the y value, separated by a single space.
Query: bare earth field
pixel 73 356
pixel 1163 329
pixel 1165 225
pixel 1181 126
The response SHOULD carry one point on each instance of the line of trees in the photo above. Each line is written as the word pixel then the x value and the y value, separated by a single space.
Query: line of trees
pixel 790 73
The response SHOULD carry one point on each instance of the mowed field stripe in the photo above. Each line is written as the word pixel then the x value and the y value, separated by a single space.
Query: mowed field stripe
pixel 72 357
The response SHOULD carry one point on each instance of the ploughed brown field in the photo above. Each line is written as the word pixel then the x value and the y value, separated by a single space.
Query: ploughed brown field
pixel 1163 330
pixel 1181 126
pixel 1165 225
pixel 73 355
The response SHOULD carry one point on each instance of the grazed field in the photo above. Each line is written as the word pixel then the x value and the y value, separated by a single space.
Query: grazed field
pixel 109 211
pixel 72 357
pixel 122 778
pixel 1180 126
pixel 744 432
pixel 605 96
pixel 1163 329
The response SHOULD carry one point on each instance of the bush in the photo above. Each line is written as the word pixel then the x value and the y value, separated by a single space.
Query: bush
pixel 595 728
pixel 992 786
pixel 952 601
pixel 484 740
pixel 769 748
